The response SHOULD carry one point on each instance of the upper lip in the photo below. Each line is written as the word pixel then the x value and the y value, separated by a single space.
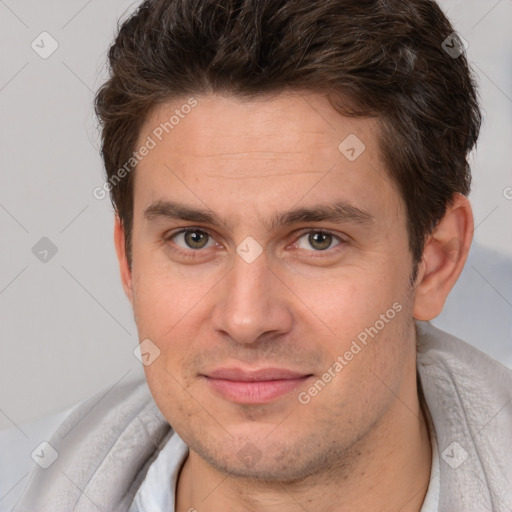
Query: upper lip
pixel 262 374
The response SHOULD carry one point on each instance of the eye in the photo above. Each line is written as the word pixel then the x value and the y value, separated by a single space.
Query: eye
pixel 318 240
pixel 192 239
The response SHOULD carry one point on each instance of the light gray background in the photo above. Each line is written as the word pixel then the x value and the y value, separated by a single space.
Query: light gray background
pixel 66 327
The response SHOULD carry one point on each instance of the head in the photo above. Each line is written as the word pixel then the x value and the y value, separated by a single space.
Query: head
pixel 318 159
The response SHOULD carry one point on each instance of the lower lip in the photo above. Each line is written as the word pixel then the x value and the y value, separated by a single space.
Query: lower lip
pixel 258 392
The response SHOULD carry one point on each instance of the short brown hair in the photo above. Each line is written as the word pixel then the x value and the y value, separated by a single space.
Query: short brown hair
pixel 386 56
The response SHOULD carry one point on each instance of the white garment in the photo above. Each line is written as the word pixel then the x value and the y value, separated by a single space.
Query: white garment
pixel 157 492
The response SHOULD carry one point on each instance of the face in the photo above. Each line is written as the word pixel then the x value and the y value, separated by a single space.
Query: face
pixel 271 271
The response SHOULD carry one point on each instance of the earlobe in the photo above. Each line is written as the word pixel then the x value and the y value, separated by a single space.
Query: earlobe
pixel 124 268
pixel 444 256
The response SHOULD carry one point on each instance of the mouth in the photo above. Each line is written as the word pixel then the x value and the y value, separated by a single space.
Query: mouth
pixel 254 386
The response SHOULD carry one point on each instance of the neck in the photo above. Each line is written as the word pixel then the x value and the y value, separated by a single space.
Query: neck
pixel 389 469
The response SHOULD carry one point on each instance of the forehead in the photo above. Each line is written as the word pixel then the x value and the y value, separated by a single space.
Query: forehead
pixel 286 124
pixel 293 147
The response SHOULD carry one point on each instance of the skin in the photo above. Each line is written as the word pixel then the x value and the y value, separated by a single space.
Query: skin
pixel 359 444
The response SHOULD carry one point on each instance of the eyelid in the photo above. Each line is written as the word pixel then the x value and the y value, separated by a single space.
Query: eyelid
pixel 168 237
pixel 184 229
pixel 298 235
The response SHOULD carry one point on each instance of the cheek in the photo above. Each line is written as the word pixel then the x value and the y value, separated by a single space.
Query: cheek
pixel 163 296
pixel 169 310
pixel 347 304
pixel 178 404
pixel 368 357
pixel 366 321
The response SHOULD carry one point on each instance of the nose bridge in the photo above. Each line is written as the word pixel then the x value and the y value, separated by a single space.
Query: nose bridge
pixel 251 302
pixel 249 291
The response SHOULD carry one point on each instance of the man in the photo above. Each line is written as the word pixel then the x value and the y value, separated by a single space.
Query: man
pixel 290 183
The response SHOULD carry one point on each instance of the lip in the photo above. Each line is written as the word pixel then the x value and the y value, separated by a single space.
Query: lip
pixel 254 386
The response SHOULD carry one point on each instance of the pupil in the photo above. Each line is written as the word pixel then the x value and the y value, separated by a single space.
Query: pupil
pixel 320 241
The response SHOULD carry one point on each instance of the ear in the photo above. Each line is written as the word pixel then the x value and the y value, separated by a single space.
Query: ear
pixel 124 268
pixel 444 256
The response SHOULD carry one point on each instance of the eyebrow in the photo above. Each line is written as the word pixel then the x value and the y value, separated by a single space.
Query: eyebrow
pixel 337 212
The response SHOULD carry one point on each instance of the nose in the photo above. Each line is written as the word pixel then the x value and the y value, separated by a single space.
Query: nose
pixel 252 303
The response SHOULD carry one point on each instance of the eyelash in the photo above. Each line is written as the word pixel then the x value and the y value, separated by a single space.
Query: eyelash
pixel 191 253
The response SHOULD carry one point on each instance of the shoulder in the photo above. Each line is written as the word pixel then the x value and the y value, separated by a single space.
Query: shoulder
pixel 439 352
pixel 103 449
pixel 469 397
